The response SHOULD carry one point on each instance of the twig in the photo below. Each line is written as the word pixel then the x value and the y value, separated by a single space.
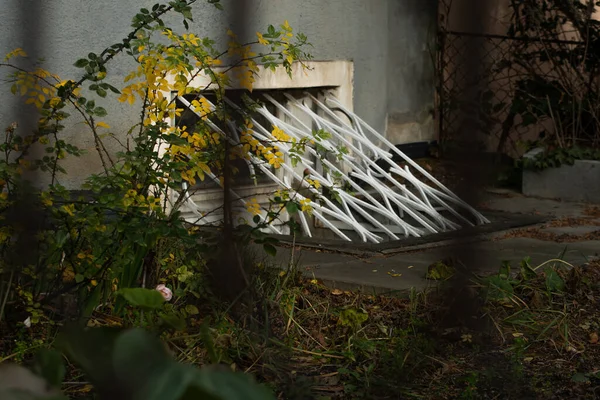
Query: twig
pixel 253 364
pixel 314 353
pixel 12 272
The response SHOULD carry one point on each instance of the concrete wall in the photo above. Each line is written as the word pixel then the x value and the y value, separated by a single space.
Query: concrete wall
pixel 411 54
pixel 576 183
pixel 386 40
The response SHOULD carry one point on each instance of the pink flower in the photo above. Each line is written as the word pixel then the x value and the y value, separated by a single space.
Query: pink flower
pixel 165 291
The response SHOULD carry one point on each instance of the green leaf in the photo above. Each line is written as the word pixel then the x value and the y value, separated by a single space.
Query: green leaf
pixel 504 271
pixel 141 297
pixel 173 320
pixel 91 302
pixel 113 89
pixel 101 92
pixel 270 249
pixel 192 309
pixel 227 385
pixel 554 282
pixel 142 364
pixel 49 365
pixel 256 219
pixel 79 278
pixel 89 348
pixel 291 207
pixel 499 288
pixel 526 271
pixel 194 392
pixel 82 62
pixel 100 111
pixel 187 14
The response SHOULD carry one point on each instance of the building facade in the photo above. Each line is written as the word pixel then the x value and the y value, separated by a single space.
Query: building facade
pixel 390 44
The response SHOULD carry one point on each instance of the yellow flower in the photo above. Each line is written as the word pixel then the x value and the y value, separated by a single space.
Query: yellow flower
pixel 280 135
pixel 305 205
pixel 69 209
pixel 261 39
pixel 314 183
pixel 276 162
pixel 245 78
pixel 189 176
pixel 253 207
pixel 18 52
pixel 213 62
pixel 201 107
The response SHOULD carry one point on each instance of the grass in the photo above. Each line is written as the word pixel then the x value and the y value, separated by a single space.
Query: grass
pixel 537 337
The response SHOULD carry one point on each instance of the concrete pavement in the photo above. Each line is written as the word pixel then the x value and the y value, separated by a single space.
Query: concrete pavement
pixel 403 268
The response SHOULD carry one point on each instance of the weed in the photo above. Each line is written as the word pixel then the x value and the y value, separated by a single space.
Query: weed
pixel 470 391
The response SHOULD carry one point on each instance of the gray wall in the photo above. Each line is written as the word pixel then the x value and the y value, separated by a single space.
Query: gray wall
pixel 386 39
pixel 411 52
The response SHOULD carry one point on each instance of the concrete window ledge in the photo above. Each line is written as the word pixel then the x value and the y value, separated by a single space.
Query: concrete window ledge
pixel 579 182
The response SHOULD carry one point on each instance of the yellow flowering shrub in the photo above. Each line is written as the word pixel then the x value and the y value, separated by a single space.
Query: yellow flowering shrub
pixel 101 245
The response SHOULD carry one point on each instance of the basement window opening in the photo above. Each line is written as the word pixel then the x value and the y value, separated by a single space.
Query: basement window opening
pixel 364 194
pixel 243 177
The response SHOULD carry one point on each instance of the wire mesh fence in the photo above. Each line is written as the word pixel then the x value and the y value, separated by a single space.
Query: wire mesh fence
pixel 504 64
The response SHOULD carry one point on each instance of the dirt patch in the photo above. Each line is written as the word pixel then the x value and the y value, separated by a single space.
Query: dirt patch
pixel 538 232
pixel 569 221
pixel 592 211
